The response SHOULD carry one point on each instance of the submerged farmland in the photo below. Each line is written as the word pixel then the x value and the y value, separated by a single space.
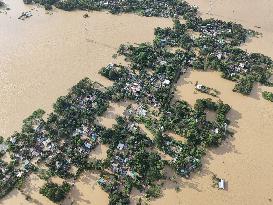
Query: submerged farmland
pixel 62 143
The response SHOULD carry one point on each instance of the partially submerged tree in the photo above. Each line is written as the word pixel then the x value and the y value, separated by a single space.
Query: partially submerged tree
pixel 55 192
pixel 268 96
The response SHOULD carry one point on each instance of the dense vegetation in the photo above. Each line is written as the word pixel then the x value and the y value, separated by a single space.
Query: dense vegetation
pixel 62 142
pixel 55 192
pixel 268 96
pixel 2 4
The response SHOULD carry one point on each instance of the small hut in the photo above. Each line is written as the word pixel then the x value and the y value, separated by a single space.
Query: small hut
pixel 221 184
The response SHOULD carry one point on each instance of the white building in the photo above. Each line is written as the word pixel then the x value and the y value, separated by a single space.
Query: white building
pixel 221 184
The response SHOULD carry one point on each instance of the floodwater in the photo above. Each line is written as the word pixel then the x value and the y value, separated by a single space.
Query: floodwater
pixel 43 56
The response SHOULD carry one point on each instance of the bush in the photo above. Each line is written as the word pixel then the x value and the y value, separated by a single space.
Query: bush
pixel 153 192
pixel 1 139
pixel 118 197
pixel 48 7
pixel 268 96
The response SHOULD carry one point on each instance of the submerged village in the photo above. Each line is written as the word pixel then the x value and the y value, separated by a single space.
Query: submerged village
pixel 61 143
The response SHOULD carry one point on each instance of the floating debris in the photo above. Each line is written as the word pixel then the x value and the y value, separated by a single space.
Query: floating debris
pixel 205 89
pixel 25 15
pixel 85 15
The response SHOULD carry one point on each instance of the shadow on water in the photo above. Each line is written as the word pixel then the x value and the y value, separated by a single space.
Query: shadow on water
pixel 87 179
pixel 96 151
pixel 234 116
pixel 110 113
pixel 256 92
pixel 76 197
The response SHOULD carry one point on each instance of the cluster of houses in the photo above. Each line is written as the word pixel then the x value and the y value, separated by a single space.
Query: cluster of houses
pixel 119 163
pixel 214 28
pixel 215 49
pixel 42 142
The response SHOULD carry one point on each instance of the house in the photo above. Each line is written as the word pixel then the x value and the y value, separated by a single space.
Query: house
pixel 46 142
pixel 77 132
pixel 163 62
pixel 226 125
pixel 163 42
pixel 166 82
pixel 12 140
pixel 216 130
pixel 132 174
pixel 199 87
pixel 19 174
pixel 242 65
pixel 120 146
pixel 110 66
pixel 94 137
pixel 221 184
pixel 87 145
pixel 219 56
pixel 3 148
pixel 38 127
pixel 142 112
pixel 101 181
pixel 35 153
pixel 237 69
pixel 58 164
pixel 26 164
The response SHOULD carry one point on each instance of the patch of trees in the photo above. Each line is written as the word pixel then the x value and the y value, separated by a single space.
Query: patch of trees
pixel 162 8
pixel 55 192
